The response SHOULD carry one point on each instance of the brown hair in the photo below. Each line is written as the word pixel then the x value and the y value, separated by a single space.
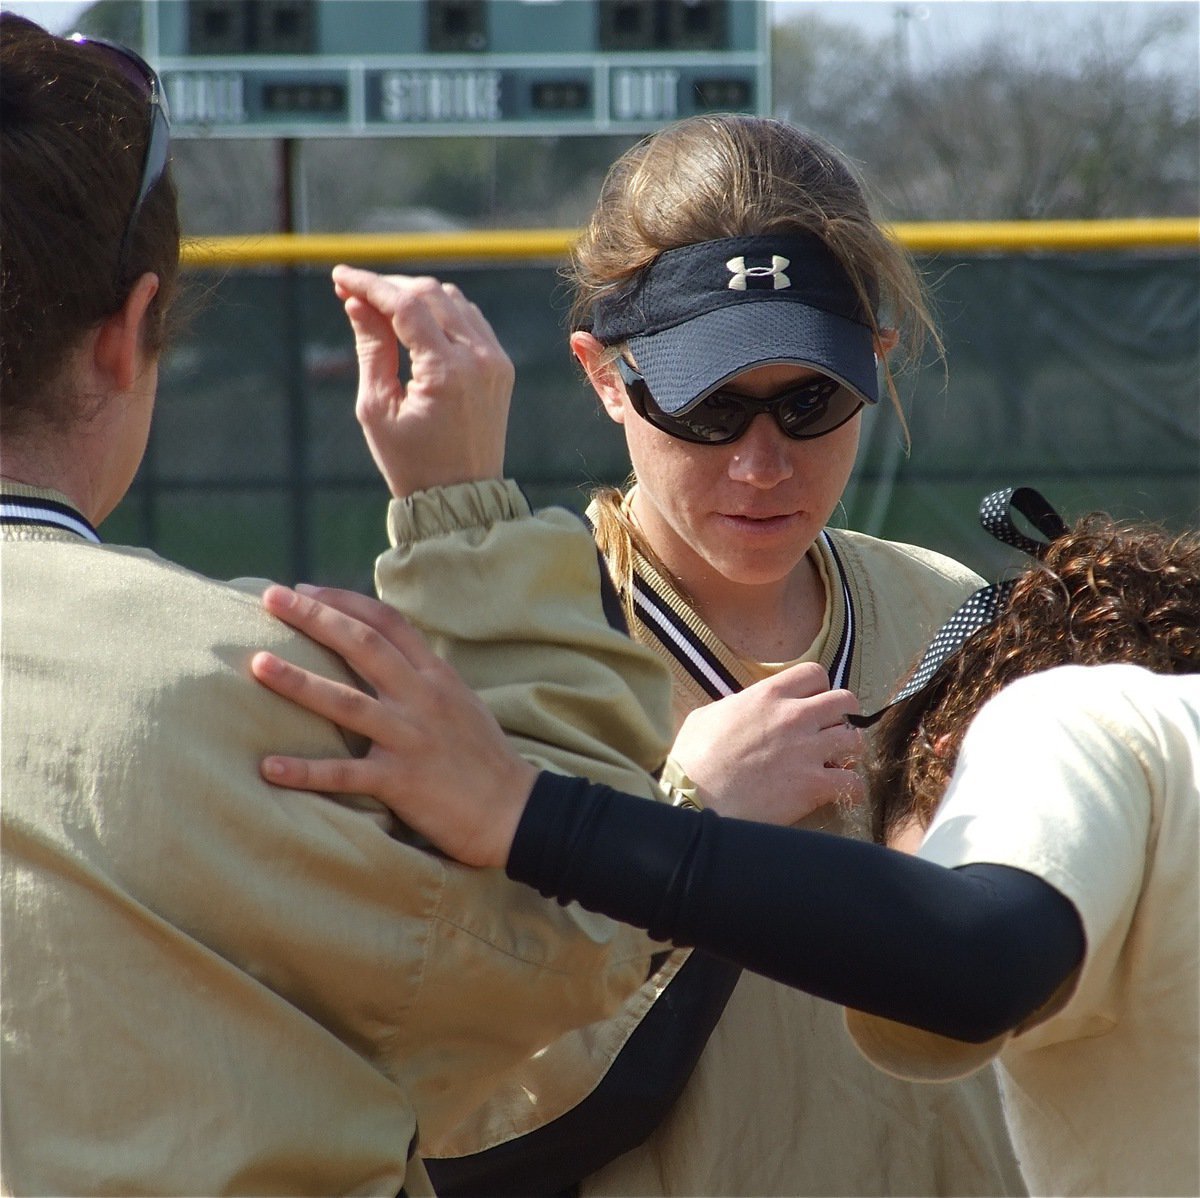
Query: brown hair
pixel 730 175
pixel 1105 592
pixel 73 136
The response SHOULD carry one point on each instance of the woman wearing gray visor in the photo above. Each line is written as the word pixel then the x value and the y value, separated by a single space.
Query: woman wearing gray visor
pixel 733 297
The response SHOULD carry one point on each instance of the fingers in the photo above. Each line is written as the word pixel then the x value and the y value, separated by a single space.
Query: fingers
pixel 830 709
pixel 445 422
pixel 375 347
pixel 808 684
pixel 842 744
pixel 385 619
pixel 800 681
pixel 378 645
pixel 818 712
pixel 473 316
pixel 328 775
pixel 337 702
pixel 423 313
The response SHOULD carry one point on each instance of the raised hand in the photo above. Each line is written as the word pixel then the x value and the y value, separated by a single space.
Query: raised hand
pixel 776 751
pixel 446 423
pixel 438 758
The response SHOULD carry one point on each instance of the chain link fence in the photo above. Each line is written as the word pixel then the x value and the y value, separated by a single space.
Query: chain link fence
pixel 1077 373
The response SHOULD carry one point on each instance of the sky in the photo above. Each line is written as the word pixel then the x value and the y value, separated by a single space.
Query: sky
pixel 941 28
pixel 55 15
pixel 931 30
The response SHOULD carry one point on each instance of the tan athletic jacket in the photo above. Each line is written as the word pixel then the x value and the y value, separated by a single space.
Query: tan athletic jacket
pixel 780 1101
pixel 212 986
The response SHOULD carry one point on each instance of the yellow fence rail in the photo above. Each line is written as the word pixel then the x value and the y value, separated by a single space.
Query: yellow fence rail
pixel 514 245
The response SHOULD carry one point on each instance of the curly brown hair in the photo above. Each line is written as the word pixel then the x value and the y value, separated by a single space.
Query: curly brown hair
pixel 1104 592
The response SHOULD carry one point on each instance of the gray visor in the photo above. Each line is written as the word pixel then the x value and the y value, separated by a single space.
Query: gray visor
pixel 700 315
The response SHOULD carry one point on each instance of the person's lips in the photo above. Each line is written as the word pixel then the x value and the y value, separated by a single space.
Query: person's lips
pixel 761 523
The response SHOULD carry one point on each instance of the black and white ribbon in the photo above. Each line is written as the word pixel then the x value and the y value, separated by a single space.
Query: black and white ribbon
pixel 46 513
pixel 986 604
pixel 995 514
pixel 702 664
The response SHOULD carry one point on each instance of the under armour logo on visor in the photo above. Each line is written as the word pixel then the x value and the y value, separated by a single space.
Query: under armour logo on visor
pixel 742 274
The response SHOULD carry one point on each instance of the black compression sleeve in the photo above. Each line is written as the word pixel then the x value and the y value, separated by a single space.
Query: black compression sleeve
pixel 967 953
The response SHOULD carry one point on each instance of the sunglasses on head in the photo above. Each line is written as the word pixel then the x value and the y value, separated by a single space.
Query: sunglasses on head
pixel 143 78
pixel 807 410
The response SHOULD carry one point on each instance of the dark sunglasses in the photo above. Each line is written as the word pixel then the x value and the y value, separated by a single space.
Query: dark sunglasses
pixel 808 410
pixel 145 81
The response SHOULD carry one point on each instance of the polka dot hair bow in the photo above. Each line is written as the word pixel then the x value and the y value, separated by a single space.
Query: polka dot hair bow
pixel 995 514
pixel 985 605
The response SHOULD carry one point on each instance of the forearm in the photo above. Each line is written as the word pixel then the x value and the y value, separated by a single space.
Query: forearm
pixel 966 953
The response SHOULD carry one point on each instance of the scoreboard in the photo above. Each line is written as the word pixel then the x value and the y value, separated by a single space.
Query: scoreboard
pixel 379 68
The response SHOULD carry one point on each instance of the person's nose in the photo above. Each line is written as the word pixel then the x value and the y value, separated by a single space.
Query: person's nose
pixel 760 456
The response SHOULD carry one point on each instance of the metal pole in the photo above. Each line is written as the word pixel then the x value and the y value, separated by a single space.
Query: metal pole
pixel 292 307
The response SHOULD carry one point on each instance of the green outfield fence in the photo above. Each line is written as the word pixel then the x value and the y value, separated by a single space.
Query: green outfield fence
pixel 1072 364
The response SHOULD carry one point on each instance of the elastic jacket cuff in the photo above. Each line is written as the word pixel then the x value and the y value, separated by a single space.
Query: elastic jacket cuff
pixel 463 506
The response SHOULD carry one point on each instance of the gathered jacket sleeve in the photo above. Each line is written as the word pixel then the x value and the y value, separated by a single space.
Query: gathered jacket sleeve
pixel 521 605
